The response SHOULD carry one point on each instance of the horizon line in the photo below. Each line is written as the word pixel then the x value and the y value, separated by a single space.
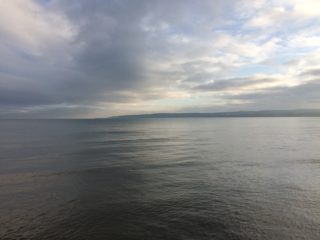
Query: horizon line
pixel 299 112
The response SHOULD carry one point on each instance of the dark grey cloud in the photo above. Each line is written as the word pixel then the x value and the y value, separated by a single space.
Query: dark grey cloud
pixel 304 95
pixel 311 73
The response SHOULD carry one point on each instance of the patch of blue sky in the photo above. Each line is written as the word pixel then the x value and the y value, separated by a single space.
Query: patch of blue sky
pixel 253 69
pixel 280 60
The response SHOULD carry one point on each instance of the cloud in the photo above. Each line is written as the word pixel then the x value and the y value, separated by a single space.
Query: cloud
pixel 311 73
pixel 299 96
pixel 238 84
pixel 100 58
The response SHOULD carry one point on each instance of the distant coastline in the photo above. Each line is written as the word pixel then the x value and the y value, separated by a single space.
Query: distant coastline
pixel 264 113
pixel 231 114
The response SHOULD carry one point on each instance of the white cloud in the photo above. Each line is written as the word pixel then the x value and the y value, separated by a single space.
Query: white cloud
pixel 27 25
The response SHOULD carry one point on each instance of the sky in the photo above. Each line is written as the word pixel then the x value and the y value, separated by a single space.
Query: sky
pixel 98 58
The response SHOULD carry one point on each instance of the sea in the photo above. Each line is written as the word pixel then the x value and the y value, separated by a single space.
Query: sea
pixel 160 178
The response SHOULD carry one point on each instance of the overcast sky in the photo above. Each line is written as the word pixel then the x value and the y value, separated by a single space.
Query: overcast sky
pixel 97 58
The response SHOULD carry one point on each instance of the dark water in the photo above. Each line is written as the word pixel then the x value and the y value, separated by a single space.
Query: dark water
pixel 232 178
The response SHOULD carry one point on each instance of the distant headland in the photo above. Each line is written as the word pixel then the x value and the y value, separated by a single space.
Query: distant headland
pixel 264 113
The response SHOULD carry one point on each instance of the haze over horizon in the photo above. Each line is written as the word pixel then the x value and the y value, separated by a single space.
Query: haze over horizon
pixel 81 58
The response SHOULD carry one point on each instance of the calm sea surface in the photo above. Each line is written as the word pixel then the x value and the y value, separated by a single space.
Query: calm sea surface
pixel 205 178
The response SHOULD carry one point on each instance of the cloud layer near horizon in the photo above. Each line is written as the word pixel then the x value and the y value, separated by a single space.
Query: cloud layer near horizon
pixel 81 58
